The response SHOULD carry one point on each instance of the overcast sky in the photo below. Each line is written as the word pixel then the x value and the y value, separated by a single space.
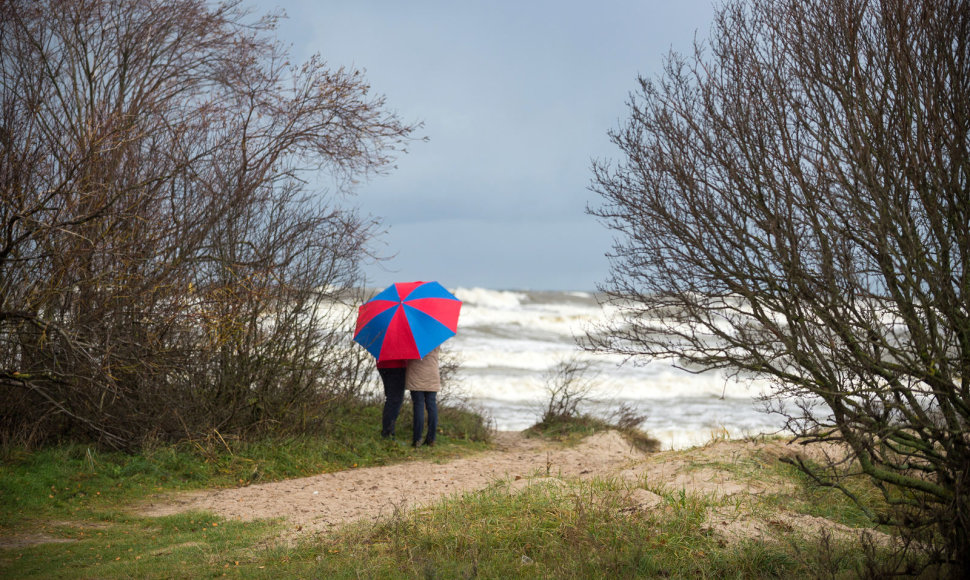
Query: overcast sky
pixel 516 98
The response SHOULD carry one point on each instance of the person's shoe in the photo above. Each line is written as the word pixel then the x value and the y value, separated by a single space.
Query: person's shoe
pixel 415 444
pixel 429 443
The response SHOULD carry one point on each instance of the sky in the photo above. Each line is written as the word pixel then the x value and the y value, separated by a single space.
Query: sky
pixel 516 100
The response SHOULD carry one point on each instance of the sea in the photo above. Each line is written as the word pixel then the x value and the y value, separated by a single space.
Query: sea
pixel 510 345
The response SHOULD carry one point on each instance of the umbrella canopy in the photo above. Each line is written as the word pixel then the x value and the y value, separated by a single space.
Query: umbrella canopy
pixel 407 320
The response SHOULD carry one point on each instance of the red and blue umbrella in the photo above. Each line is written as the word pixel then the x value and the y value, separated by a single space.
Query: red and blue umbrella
pixel 407 320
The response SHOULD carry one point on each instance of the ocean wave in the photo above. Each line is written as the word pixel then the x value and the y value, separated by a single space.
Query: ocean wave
pixel 483 297
pixel 509 344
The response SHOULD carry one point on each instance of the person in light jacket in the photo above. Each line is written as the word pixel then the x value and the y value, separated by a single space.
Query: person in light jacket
pixel 424 382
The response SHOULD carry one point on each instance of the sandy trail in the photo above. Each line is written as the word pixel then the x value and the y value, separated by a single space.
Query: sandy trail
pixel 322 502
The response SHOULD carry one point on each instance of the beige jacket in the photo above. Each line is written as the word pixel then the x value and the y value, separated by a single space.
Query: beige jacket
pixel 422 374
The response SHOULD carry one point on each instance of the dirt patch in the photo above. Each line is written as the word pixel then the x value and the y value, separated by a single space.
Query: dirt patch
pixel 732 525
pixel 730 469
pixel 321 502
pixel 24 540
pixel 317 504
pixel 722 468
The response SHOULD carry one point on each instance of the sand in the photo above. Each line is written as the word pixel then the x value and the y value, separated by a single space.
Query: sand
pixel 721 469
pixel 321 502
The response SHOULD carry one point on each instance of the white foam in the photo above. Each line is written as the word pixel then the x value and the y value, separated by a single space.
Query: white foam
pixel 510 343
pixel 493 299
pixel 662 382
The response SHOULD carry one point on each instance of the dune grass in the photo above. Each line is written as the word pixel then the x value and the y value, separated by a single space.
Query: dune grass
pixel 582 529
pixel 571 429
pixel 551 528
pixel 64 510
pixel 555 528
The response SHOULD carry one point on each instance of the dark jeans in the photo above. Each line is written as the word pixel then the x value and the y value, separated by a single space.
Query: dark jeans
pixel 425 400
pixel 393 380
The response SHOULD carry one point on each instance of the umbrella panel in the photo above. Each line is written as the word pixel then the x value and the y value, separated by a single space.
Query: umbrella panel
pixel 392 327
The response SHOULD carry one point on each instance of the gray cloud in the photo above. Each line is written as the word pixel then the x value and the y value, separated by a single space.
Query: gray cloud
pixel 516 98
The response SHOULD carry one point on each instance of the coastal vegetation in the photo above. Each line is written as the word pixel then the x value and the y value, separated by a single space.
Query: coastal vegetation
pixel 792 204
pixel 71 511
pixel 566 417
pixel 178 254
pixel 179 265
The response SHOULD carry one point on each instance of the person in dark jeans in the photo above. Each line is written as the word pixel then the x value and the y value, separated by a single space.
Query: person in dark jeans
pixel 424 381
pixel 393 374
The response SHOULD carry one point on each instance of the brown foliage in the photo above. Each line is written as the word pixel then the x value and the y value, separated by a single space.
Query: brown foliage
pixel 794 204
pixel 168 255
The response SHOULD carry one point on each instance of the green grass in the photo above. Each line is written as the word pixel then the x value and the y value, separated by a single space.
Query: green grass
pixel 811 499
pixel 572 429
pixel 582 530
pixel 76 481
pixel 81 496
pixel 567 429
pixel 551 529
pixel 830 503
pixel 191 544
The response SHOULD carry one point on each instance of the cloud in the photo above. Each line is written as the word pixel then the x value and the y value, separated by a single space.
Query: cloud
pixel 498 254
pixel 516 99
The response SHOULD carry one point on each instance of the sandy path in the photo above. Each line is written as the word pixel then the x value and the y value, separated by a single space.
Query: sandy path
pixel 321 502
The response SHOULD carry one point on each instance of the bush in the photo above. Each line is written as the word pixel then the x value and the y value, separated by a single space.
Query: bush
pixel 166 269
pixel 569 385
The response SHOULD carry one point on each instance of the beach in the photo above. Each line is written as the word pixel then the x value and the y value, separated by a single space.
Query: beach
pixel 509 344
pixel 321 504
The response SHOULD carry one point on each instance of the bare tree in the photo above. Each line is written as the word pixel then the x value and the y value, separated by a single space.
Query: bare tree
pixel 166 255
pixel 793 204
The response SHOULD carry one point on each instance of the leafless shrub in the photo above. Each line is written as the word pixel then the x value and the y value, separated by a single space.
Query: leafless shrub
pixel 166 264
pixel 568 385
pixel 626 417
pixel 793 205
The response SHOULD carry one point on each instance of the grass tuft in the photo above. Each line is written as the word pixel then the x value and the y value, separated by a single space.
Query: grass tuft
pixel 63 509
pixel 552 528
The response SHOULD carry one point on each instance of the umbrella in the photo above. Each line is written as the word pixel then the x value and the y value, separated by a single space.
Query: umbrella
pixel 407 320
